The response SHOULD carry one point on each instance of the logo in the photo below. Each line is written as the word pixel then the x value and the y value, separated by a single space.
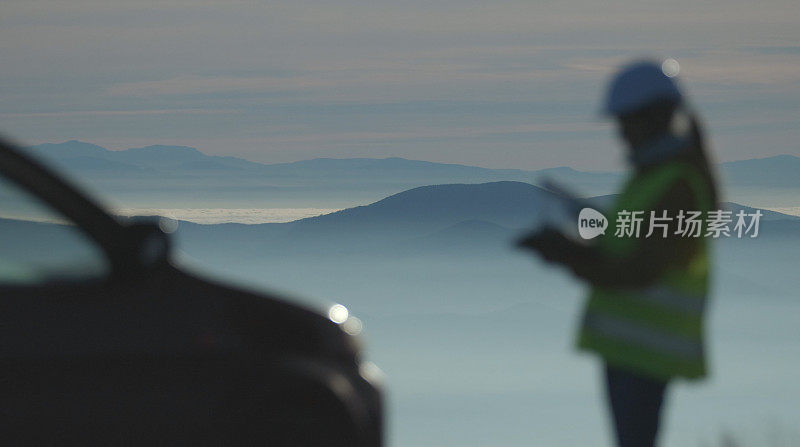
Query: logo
pixel 591 223
pixel 685 224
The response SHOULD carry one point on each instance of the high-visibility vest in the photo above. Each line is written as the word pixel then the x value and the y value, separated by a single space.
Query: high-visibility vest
pixel 655 330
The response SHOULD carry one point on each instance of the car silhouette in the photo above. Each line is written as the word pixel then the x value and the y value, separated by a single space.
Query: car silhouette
pixel 127 348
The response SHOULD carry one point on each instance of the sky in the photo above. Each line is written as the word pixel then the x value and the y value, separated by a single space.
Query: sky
pixel 502 84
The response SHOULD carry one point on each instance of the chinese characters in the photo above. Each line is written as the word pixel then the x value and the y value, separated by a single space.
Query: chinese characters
pixel 714 224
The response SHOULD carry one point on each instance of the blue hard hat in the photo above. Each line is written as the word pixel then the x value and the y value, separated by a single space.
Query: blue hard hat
pixel 638 85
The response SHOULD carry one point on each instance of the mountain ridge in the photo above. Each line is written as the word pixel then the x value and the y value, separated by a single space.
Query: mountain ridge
pixel 180 174
pixel 86 147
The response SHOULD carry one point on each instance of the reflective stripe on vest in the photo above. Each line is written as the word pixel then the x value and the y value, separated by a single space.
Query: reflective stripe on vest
pixel 645 336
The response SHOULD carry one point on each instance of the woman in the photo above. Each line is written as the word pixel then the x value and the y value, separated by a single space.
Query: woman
pixel 648 278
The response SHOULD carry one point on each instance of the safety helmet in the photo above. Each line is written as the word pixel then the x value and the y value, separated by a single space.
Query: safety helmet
pixel 640 84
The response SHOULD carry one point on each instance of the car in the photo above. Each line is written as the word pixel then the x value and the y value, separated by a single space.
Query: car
pixel 104 339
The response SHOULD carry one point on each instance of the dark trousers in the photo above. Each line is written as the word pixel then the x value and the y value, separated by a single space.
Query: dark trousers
pixel 635 402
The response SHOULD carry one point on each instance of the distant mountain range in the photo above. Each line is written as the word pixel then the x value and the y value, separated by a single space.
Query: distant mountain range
pixel 179 176
pixel 777 171
pixel 89 159
pixel 78 155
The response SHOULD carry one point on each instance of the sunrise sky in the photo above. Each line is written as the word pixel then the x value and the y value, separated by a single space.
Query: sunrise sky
pixel 494 84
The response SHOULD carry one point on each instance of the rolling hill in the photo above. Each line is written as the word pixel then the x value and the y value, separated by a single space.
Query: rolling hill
pixel 438 218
